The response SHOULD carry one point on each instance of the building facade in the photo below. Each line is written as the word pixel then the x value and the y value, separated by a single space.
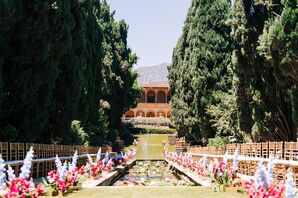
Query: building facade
pixel 154 102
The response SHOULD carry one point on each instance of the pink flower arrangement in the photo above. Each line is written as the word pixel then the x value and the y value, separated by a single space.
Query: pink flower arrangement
pixel 222 174
pixel 219 172
pixel 64 182
pixel 95 169
pixel 276 190
pixel 21 187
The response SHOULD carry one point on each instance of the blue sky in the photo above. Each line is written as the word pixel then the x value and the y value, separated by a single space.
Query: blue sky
pixel 154 27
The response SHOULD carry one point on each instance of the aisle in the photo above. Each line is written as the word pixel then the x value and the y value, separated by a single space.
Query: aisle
pixel 153 192
pixel 150 146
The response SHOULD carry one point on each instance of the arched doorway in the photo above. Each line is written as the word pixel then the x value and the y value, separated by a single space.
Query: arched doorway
pixel 150 115
pixel 151 97
pixel 129 114
pixel 140 114
pixel 161 114
pixel 161 97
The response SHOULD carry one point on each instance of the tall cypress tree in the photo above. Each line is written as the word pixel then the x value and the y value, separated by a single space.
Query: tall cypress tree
pixel 278 45
pixel 28 70
pixel 59 59
pixel 199 67
pixel 264 111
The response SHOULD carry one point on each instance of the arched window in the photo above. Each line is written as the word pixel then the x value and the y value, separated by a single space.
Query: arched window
pixel 150 115
pixel 129 114
pixel 161 114
pixel 161 97
pixel 150 97
pixel 140 114
pixel 142 98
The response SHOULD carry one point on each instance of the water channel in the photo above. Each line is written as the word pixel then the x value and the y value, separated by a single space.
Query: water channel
pixel 152 173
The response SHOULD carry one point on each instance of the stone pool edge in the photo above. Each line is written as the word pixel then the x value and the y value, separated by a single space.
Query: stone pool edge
pixel 108 179
pixel 193 178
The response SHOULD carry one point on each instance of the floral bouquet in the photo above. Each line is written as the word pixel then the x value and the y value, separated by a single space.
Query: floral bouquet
pixel 67 176
pixel 129 156
pixel 201 166
pixel 275 189
pixel 21 186
pixel 94 169
pixel 222 174
pixel 263 185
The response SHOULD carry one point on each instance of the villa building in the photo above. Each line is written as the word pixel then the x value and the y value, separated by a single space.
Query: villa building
pixel 155 101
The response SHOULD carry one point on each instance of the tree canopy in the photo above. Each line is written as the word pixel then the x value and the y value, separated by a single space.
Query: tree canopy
pixel 65 72
pixel 234 71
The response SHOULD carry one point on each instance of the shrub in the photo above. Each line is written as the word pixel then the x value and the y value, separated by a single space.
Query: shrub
pixel 98 131
pixel 78 134
pixel 149 121
pixel 152 131
pixel 218 141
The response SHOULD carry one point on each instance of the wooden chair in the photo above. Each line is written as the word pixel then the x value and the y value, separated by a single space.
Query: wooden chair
pixel 35 170
pixel 47 151
pixel 21 151
pixel 245 149
pixel 291 151
pixel 252 167
pixel 256 150
pixel 265 150
pixel 41 169
pixel 279 151
pixel 16 168
pixel 56 150
pixel 271 148
pixel 4 150
pixel 280 171
pixel 242 167
pixel 13 151
pixel 49 165
pixel 231 148
pixel 295 174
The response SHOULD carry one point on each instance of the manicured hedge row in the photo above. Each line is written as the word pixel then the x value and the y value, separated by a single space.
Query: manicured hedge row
pixel 152 131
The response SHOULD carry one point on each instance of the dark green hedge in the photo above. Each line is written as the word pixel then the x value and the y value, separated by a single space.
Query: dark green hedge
pixel 152 131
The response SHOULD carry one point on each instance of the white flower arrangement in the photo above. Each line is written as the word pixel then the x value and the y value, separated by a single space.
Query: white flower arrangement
pixel 73 164
pixel 89 159
pixel 27 164
pixel 2 174
pixel 10 173
pixel 205 161
pixel 270 167
pixel 98 155
pixel 235 159
pixel 62 171
pixel 225 158
pixel 290 192
pixel 261 177
pixel 58 162
pixel 107 157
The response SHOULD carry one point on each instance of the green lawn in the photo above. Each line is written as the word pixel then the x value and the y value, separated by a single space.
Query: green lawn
pixel 150 146
pixel 156 192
